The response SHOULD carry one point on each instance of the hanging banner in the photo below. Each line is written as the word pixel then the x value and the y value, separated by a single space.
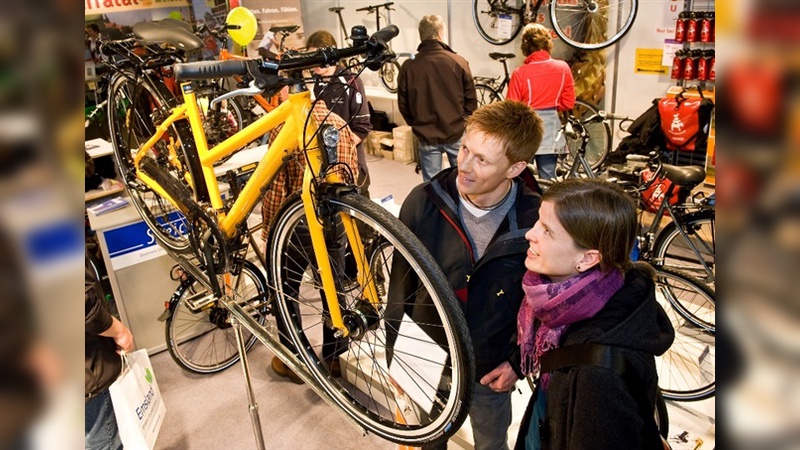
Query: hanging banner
pixel 275 13
pixel 92 7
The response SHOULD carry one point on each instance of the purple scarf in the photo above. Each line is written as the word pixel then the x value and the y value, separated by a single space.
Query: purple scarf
pixel 558 305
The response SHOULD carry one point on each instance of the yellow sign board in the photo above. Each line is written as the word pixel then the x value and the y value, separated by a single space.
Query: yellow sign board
pixel 92 7
pixel 648 61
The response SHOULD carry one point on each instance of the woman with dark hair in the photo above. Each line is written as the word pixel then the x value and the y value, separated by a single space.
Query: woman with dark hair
pixel 546 85
pixel 582 288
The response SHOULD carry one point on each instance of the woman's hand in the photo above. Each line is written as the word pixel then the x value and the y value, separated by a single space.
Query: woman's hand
pixel 501 379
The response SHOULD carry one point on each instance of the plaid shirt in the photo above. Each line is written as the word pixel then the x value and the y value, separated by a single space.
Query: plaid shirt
pixel 290 179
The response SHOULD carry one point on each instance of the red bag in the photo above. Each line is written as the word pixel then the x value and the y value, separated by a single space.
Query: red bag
pixel 684 121
pixel 653 196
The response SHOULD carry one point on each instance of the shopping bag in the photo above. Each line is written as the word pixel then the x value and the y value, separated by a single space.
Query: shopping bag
pixel 137 401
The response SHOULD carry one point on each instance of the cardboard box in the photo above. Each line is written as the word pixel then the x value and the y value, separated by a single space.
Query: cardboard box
pixel 405 143
pixel 374 141
pixel 388 154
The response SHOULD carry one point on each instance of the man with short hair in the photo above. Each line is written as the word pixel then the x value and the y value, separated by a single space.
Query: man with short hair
pixel 435 96
pixel 473 218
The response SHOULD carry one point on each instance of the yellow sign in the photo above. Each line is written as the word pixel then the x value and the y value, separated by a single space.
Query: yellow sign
pixel 109 6
pixel 648 61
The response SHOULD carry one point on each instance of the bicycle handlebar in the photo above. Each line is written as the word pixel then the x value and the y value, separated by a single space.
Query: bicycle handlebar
pixel 371 8
pixel 261 70
pixel 611 116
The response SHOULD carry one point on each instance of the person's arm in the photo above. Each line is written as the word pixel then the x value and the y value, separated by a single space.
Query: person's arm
pixel 470 96
pixel 121 334
pixel 402 95
pixel 515 87
pixel 604 414
pixel 501 379
pixel 360 122
pixel 567 97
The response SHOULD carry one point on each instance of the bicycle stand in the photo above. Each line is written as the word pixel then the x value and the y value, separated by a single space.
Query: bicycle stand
pixel 252 405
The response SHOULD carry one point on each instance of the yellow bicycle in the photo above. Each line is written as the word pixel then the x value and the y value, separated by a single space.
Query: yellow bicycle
pixel 328 253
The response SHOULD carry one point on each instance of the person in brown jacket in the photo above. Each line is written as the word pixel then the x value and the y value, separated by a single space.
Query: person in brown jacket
pixel 435 96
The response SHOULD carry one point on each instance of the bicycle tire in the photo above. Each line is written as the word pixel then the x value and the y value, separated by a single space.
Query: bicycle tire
pixel 486 94
pixel 599 145
pixel 390 71
pixel 686 371
pixel 365 392
pixel 580 24
pixel 204 342
pixel 486 14
pixel 671 249
pixel 131 109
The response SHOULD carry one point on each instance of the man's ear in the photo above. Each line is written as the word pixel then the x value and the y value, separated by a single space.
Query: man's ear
pixel 516 169
pixel 590 259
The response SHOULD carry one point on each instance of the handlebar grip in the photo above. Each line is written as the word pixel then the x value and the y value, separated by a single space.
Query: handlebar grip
pixel 611 116
pixel 386 34
pixel 637 158
pixel 204 70
pixel 569 131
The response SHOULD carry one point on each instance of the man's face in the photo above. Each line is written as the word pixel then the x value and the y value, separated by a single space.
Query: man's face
pixel 483 168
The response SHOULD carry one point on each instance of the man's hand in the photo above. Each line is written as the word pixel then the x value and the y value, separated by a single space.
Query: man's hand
pixel 501 379
pixel 121 334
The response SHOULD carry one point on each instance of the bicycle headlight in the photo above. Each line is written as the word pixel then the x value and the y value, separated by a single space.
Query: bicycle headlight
pixel 329 141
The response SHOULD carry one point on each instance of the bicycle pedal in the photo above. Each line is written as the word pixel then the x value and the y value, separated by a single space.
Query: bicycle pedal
pixel 200 302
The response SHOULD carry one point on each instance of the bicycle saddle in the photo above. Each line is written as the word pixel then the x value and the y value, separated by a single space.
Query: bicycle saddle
pixel 336 9
pixel 168 31
pixel 688 176
pixel 288 29
pixel 501 56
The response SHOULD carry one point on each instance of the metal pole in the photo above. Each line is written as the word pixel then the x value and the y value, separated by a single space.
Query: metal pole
pixel 253 406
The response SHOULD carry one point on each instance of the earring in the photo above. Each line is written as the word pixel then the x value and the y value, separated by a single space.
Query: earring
pixel 578 267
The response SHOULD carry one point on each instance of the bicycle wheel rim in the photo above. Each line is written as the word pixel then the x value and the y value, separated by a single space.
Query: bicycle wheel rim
pixel 364 391
pixel 131 109
pixel 672 251
pixel 204 342
pixel 486 95
pixel 686 372
pixel 599 144
pixel 486 15
pixel 592 24
pixel 390 70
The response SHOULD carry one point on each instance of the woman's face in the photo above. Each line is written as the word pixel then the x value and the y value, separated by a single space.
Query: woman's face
pixel 551 250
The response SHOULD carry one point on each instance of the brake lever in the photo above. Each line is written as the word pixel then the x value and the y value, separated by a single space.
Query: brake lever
pixel 250 90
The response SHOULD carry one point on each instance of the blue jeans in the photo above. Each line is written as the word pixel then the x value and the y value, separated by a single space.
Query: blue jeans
pixel 100 424
pixel 546 164
pixel 490 416
pixel 430 157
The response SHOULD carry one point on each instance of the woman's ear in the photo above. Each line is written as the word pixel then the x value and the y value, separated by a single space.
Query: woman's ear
pixel 589 259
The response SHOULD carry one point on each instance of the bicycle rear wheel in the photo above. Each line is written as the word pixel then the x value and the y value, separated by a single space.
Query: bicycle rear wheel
pixel 390 70
pixel 134 108
pixel 377 350
pixel 498 21
pixel 599 144
pixel 674 252
pixel 224 119
pixel 199 334
pixel 486 94
pixel 687 371
pixel 592 24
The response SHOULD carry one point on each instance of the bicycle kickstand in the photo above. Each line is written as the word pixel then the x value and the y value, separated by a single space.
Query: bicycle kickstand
pixel 252 405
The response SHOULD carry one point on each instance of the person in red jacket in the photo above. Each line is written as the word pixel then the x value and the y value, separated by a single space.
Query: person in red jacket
pixel 546 85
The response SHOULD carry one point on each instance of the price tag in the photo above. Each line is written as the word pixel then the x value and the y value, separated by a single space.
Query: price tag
pixel 504 22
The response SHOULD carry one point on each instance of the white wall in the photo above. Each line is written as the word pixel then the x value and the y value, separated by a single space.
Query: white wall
pixel 631 97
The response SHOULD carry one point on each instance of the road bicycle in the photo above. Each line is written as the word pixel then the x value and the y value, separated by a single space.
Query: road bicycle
pixel 583 24
pixel 167 166
pixel 390 70
pixel 593 121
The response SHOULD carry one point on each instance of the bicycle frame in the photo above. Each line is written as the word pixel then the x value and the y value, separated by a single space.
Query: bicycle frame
pixel 292 114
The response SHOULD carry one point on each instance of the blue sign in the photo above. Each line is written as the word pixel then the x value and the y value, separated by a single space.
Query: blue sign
pixel 137 236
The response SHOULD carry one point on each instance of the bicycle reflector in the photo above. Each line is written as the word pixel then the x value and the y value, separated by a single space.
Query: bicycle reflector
pixel 329 141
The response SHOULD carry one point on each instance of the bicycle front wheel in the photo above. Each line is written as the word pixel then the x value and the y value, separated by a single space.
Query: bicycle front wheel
pixel 199 334
pixel 486 94
pixel 389 346
pixel 390 70
pixel 673 251
pixel 134 106
pixel 592 24
pixel 687 371
pixel 599 143
pixel 498 21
